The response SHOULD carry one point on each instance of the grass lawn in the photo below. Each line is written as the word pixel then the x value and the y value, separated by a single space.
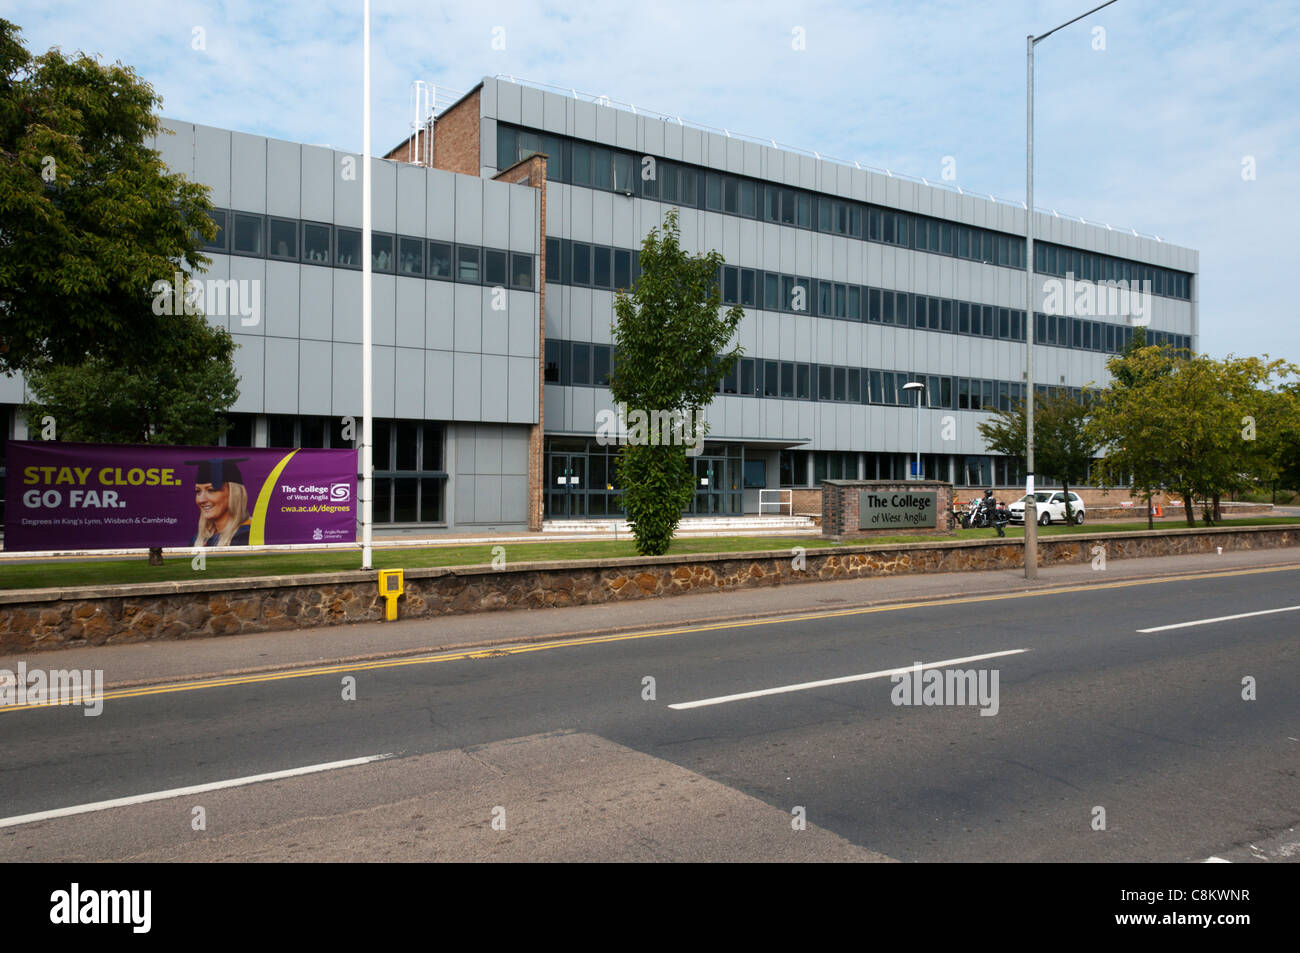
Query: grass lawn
pixel 100 572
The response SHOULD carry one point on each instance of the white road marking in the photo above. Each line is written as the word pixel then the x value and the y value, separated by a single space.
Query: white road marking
pixel 1222 618
pixel 1215 860
pixel 185 792
pixel 722 699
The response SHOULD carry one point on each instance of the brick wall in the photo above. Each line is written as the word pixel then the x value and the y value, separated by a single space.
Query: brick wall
pixel 456 137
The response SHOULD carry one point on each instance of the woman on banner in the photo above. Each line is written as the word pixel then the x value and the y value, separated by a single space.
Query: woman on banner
pixel 222 500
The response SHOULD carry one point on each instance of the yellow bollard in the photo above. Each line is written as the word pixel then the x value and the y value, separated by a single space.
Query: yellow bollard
pixel 391 585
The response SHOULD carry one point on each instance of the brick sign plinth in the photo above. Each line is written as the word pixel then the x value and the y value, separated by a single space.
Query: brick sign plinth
pixel 864 508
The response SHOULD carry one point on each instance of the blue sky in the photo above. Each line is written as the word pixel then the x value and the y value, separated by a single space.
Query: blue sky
pixel 1150 132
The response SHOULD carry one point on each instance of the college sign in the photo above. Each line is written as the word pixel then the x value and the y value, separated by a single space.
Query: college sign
pixel 897 509
pixel 61 496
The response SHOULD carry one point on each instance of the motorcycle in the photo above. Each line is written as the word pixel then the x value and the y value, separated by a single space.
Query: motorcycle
pixel 979 515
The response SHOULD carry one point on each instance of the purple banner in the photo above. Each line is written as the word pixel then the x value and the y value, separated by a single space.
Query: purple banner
pixel 61 496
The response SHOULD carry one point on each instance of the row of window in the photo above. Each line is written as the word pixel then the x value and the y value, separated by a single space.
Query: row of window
pixel 602 266
pixel 318 243
pixel 581 163
pixel 1087 266
pixel 582 364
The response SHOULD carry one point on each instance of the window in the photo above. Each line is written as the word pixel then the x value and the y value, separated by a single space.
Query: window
pixel 748 204
pixel 581 369
pixel 494 267
pixel 748 285
pixel 602 169
pixel 600 355
pixel 439 260
pixel 668 173
pixel 855 303
pixel 686 192
pixel 248 234
pixel 552 362
pixel 623 173
pixel 787 206
pixel 855 385
pixel 347 247
pixel 316 243
pixel 873 305
pixel 804 210
pixel 521 272
pixel 713 191
pixel 840 393
pixel 730 285
pixel 824 389
pixel 381 253
pixel 622 269
pixel 581 164
pixel 219 243
pixel 467 263
pixel 787 379
pixel 410 256
pixel 282 239
pixel 581 264
pixel 601 271
pixel 803 377
pixel 747 376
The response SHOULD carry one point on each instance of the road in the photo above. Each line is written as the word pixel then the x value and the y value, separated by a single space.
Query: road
pixel 1108 743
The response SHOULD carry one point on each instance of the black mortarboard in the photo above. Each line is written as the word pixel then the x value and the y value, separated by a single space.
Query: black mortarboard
pixel 218 471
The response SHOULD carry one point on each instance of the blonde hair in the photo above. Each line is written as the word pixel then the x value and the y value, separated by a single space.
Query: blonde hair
pixel 236 513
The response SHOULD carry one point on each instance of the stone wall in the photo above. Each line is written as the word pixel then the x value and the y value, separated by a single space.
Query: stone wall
pixel 59 618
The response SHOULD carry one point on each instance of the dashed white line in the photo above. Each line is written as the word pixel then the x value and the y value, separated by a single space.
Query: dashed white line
pixel 185 792
pixel 802 686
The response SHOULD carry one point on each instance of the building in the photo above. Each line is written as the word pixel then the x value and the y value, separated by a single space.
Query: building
pixel 496 260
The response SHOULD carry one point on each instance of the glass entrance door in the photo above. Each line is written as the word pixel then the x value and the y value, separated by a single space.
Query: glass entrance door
pixel 710 484
pixel 566 486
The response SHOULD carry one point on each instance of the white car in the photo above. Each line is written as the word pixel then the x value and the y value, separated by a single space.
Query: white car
pixel 1051 508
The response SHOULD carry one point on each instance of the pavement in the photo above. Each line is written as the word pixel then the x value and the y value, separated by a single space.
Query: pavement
pixel 163 661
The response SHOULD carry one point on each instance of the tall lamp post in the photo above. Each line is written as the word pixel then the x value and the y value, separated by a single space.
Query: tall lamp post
pixel 918 387
pixel 367 366
pixel 1031 509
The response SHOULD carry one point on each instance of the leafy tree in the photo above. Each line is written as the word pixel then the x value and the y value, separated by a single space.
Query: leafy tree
pixel 1194 424
pixel 1132 435
pixel 670 338
pixel 1064 446
pixel 91 215
pixel 178 397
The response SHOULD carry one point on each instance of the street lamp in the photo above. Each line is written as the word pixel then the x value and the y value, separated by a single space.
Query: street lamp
pixel 1031 508
pixel 917 386
pixel 367 361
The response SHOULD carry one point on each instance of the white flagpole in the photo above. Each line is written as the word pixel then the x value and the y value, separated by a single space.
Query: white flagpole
pixel 367 382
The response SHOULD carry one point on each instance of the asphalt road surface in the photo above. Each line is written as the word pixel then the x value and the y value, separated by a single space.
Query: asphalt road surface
pixel 1097 741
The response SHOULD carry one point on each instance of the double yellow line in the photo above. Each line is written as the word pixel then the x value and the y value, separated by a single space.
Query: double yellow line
pixel 503 650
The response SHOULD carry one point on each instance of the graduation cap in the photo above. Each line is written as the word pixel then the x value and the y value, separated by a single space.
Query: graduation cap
pixel 218 471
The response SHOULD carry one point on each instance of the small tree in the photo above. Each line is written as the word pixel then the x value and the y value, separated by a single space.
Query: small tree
pixel 1063 446
pixel 670 338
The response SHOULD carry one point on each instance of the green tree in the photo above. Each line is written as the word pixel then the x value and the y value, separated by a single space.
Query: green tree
pixel 1132 435
pixel 670 339
pixel 91 215
pixel 1064 446
pixel 177 398
pixel 1192 424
